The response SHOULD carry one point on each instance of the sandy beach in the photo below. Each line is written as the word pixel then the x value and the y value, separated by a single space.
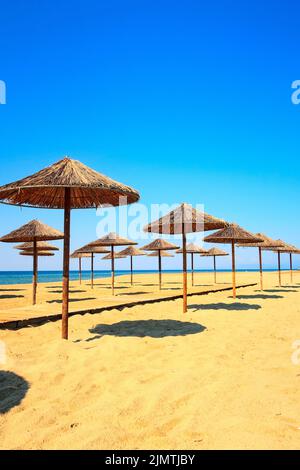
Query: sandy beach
pixel 218 377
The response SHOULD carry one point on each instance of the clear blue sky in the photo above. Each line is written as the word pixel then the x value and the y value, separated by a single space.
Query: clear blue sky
pixel 185 101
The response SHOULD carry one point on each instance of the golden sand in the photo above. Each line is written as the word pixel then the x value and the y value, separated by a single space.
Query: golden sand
pixel 149 376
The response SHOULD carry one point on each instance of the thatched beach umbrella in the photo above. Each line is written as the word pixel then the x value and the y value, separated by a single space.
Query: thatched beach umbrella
pixel 192 248
pixel 266 242
pixel 131 251
pixel 92 250
pixel 45 246
pixel 214 252
pixel 284 248
pixel 294 251
pixel 39 253
pixel 111 240
pixel 163 254
pixel 232 234
pixel 67 184
pixel 159 245
pixel 75 254
pixel 33 232
pixel 182 220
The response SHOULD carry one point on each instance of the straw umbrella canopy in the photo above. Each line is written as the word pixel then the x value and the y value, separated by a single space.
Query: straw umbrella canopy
pixel 290 250
pixel 163 254
pixel 39 253
pixel 192 248
pixel 115 255
pixel 232 234
pixel 92 250
pixel 182 220
pixel 158 246
pixel 45 246
pixel 284 248
pixel 111 240
pixel 75 254
pixel 67 184
pixel 266 243
pixel 294 251
pixel 33 232
pixel 132 251
pixel 214 252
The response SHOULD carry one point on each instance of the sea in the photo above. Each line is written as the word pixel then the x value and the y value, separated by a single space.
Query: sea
pixel 25 277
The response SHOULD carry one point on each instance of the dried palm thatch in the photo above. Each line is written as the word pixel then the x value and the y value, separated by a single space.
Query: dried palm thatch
pixel 132 251
pixel 46 188
pixel 290 250
pixel 215 252
pixel 284 248
pixel 266 244
pixel 44 246
pixel 163 254
pixel 160 254
pixel 115 255
pixel 86 249
pixel 193 249
pixel 34 230
pixel 232 234
pixel 112 239
pixel 77 254
pixel 158 245
pixel 39 253
pixel 182 220
pixel 185 219
pixel 92 250
pixel 68 184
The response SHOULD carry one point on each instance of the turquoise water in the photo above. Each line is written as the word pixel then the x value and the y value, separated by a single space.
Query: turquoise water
pixel 25 277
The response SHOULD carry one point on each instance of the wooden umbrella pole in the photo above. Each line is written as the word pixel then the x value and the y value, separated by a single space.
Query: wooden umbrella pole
pixel 279 268
pixel 79 259
pixel 260 268
pixel 291 266
pixel 192 262
pixel 215 270
pixel 184 271
pixel 65 295
pixel 233 270
pixel 112 270
pixel 131 270
pixel 35 268
pixel 159 269
pixel 92 271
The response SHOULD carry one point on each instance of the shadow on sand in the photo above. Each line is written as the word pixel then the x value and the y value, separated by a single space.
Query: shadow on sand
pixel 13 389
pixel 134 293
pixel 12 290
pixel 142 328
pixel 70 291
pixel 11 296
pixel 259 296
pixel 59 301
pixel 224 306
pixel 280 290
